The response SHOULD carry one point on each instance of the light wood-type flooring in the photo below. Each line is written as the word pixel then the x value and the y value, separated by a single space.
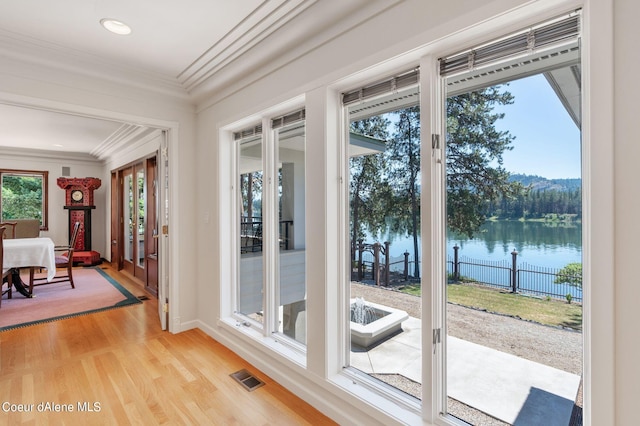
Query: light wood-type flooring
pixel 117 367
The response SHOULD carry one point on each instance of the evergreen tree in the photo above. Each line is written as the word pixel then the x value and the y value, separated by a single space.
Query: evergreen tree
pixel 369 189
pixel 474 148
pixel 404 176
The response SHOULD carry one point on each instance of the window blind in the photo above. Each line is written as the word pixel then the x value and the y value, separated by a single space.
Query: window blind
pixel 248 132
pixel 285 120
pixel 546 35
pixel 389 85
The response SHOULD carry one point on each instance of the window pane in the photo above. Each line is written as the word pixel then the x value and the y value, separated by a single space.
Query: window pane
pixel 22 196
pixel 291 231
pixel 384 185
pixel 251 271
pixel 514 251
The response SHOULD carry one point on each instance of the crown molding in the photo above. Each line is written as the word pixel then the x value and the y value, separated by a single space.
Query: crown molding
pixel 128 136
pixel 261 23
pixel 313 28
pixel 52 156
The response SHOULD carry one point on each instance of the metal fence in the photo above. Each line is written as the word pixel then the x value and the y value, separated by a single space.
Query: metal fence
pixel 511 276
pixel 374 261
pixel 523 278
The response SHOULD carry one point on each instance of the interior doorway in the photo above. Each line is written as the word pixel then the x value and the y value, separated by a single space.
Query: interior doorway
pixel 134 221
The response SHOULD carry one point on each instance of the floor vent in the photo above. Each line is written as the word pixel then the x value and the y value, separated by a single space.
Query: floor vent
pixel 143 297
pixel 247 380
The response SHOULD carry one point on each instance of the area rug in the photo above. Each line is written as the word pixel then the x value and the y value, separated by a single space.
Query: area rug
pixel 95 291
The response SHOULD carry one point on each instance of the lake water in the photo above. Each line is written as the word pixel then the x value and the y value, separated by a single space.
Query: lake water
pixel 538 244
pixel 551 245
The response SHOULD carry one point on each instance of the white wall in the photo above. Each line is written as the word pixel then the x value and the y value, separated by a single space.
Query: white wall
pixel 411 29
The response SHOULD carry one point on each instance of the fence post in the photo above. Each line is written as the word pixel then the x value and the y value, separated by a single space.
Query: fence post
pixel 376 263
pixel 360 247
pixel 386 262
pixel 514 273
pixel 406 265
pixel 456 264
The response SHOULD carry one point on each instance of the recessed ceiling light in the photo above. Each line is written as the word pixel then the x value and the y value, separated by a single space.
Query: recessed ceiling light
pixel 115 26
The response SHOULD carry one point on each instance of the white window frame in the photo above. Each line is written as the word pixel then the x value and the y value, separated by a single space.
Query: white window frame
pixel 366 383
pixel 432 99
pixel 438 314
pixel 266 333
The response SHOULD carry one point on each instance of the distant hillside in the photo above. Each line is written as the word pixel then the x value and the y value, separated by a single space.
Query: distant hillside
pixel 539 183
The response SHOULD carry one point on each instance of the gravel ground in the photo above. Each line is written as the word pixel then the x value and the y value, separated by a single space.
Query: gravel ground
pixel 553 346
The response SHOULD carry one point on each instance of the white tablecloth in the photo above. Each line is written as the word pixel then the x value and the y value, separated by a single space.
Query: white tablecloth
pixel 27 252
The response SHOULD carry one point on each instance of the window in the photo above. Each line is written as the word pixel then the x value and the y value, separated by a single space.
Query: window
pixel 271 285
pixel 454 175
pixel 24 195
pixel 384 147
pixel 513 122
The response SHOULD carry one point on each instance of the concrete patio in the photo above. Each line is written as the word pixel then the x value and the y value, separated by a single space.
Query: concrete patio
pixel 512 389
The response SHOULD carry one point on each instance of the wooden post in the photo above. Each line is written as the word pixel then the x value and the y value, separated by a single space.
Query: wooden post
pixel 376 263
pixel 360 272
pixel 386 262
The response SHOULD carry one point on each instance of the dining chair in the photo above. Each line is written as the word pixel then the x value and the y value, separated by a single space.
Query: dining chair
pixel 6 274
pixel 27 228
pixel 63 260
pixel 10 231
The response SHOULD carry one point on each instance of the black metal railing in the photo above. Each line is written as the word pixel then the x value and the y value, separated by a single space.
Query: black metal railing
pixel 523 278
pixel 373 261
pixel 251 234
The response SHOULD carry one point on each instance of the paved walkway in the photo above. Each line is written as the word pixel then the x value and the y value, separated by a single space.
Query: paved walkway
pixel 509 388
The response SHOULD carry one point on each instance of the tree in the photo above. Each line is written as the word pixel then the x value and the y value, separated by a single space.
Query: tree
pixel 404 176
pixel 474 149
pixel 369 188
pixel 21 197
pixel 571 274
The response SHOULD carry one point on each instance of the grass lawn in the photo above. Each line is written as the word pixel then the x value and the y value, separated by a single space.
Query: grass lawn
pixel 550 312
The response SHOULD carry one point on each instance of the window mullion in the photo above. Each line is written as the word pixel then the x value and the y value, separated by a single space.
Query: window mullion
pixel 270 209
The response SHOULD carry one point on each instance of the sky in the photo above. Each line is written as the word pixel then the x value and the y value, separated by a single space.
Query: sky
pixel 547 140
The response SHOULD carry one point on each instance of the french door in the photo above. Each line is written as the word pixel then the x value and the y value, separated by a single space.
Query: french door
pixel 135 222
pixel 133 211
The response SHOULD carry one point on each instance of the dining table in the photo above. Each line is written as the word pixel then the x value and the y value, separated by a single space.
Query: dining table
pixel 29 253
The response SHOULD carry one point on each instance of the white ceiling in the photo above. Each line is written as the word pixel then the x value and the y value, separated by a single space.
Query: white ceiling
pixel 167 35
pixel 52 131
pixel 175 45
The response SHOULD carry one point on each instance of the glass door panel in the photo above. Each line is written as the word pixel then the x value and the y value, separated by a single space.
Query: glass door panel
pixel 140 212
pixel 129 218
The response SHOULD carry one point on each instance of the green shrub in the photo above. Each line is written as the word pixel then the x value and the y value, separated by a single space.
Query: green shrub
pixel 571 274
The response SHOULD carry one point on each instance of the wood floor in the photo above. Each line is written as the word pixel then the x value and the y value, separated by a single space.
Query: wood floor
pixel 117 367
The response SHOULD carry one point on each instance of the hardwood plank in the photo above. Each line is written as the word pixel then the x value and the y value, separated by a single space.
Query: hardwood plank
pixel 134 373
